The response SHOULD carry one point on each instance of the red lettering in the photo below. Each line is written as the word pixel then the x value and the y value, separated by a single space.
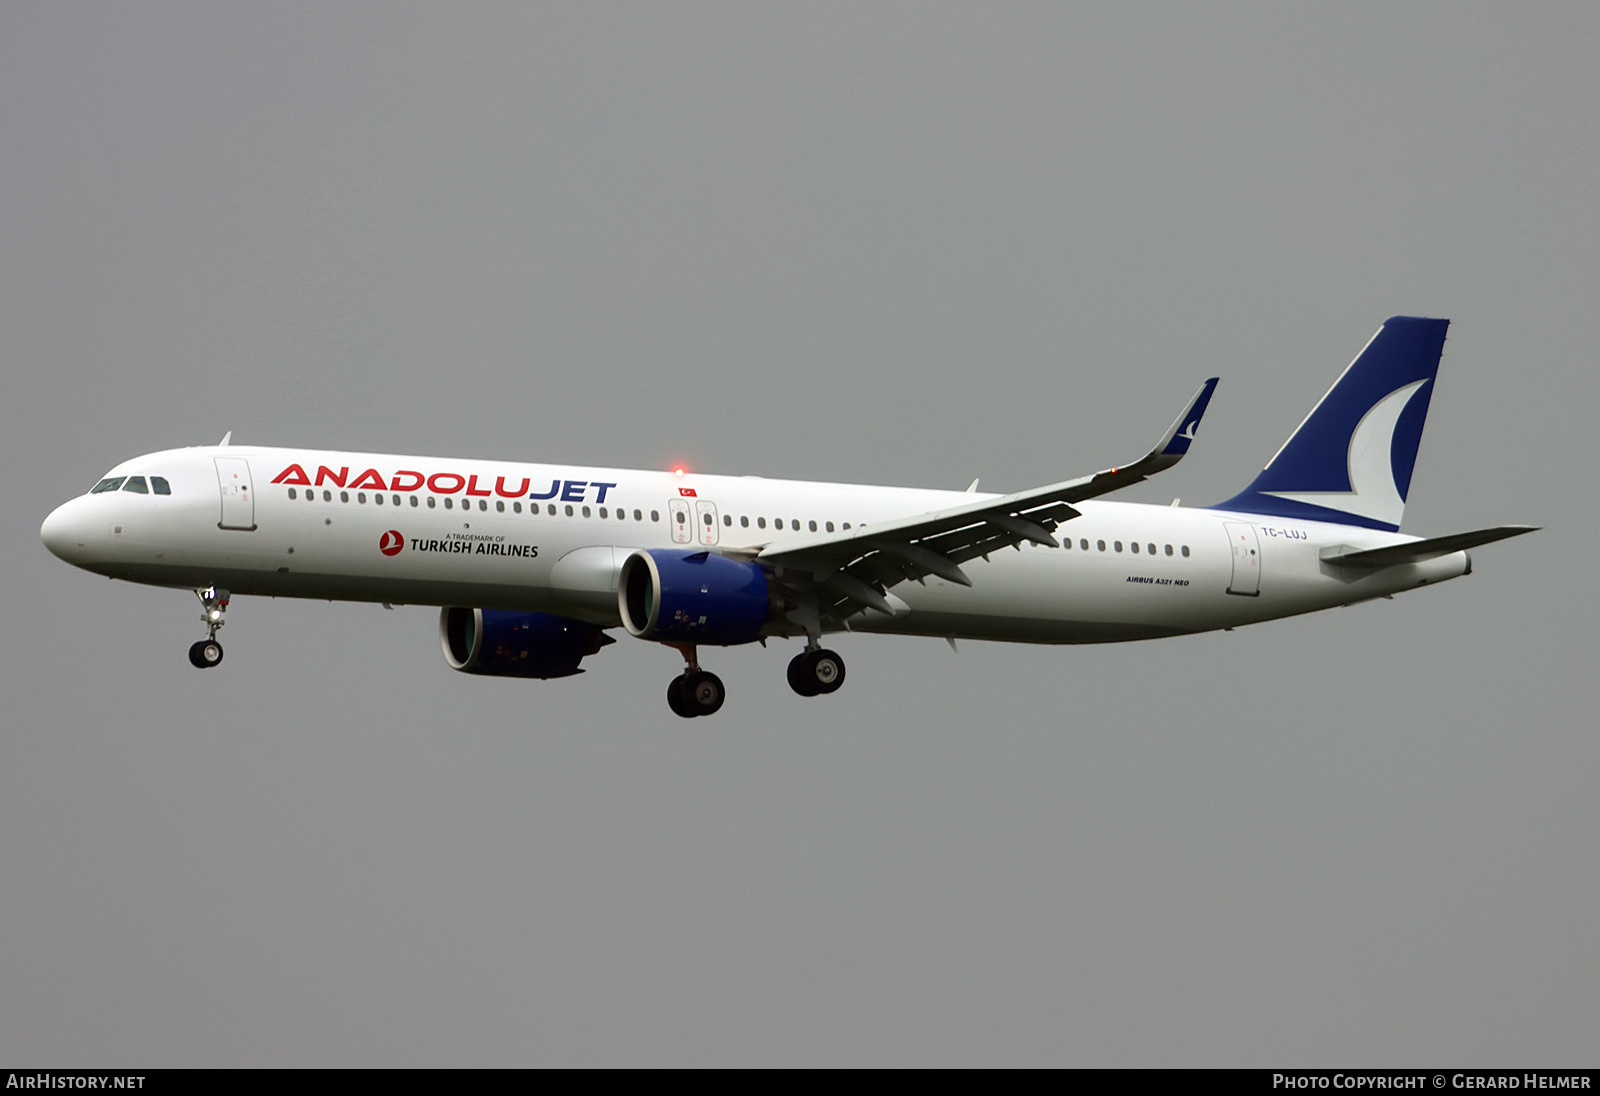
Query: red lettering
pixel 396 485
pixel 292 474
pixel 370 478
pixel 434 482
pixel 472 487
pixel 500 488
pixel 325 475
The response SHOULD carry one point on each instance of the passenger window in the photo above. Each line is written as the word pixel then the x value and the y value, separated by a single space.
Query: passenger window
pixel 414 502
pixel 483 504
pixel 499 506
pixel 160 485
pixel 432 502
pixel 1101 545
pixel 638 515
pixel 705 519
pixel 1117 544
pixel 846 525
pixel 448 503
pixel 291 492
pixel 569 510
pixel 344 496
pixel 585 511
pixel 830 526
pixel 516 507
pixel 655 515
pixel 1135 547
pixel 1152 548
pixel 327 496
pixel 1169 549
pixel 761 523
pixel 727 520
pixel 107 485
pixel 1084 543
pixel 812 525
pixel 1185 551
pixel 553 510
pixel 377 499
pixel 395 499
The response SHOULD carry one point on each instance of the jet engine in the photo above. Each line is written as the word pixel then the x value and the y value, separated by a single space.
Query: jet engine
pixel 679 596
pixel 506 643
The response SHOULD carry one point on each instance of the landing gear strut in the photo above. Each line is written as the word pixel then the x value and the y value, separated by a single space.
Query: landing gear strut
pixel 213 605
pixel 816 671
pixel 695 691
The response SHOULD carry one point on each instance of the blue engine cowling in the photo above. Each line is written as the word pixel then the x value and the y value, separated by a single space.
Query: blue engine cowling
pixel 681 596
pixel 506 643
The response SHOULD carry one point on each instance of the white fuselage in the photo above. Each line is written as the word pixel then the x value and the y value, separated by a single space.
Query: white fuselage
pixel 490 534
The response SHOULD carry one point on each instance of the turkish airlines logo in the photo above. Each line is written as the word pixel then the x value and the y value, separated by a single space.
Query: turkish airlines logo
pixel 687 492
pixel 391 543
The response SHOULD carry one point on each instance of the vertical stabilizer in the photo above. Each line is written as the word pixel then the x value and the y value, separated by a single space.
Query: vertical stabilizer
pixel 1351 460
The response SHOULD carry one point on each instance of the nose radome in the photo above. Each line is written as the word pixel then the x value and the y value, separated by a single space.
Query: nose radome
pixel 66 531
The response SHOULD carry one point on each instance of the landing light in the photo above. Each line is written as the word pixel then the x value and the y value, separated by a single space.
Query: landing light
pixel 679 470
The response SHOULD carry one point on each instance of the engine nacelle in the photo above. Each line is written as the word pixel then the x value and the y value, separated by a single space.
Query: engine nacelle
pixel 680 596
pixel 506 643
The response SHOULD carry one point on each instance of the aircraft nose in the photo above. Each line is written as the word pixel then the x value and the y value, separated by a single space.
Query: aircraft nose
pixel 66 531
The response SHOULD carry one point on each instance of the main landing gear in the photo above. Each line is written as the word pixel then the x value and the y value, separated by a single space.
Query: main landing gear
pixel 816 671
pixel 695 691
pixel 213 604
pixel 813 672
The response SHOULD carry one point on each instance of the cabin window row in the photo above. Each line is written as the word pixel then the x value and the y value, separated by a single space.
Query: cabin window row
pixel 777 523
pixel 432 503
pixel 606 512
pixel 1148 548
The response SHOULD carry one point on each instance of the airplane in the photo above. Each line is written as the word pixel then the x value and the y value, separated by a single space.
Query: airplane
pixel 532 565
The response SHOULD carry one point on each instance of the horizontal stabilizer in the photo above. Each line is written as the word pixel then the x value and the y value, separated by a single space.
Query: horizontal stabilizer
pixel 1417 551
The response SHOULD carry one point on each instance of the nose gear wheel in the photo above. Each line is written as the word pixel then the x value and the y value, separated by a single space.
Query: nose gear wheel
pixel 213 607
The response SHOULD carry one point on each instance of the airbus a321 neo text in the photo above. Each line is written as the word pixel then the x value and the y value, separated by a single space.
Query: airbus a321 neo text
pixel 534 564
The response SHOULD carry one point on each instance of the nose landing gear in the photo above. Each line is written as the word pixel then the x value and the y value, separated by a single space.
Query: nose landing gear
pixel 213 605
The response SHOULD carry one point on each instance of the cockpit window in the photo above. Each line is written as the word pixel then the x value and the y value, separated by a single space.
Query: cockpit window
pixel 159 485
pixel 137 485
pixel 110 484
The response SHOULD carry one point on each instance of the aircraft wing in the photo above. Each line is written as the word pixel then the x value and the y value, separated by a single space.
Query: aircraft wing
pixel 854 568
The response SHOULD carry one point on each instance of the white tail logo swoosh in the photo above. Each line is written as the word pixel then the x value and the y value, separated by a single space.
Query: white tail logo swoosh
pixel 1373 492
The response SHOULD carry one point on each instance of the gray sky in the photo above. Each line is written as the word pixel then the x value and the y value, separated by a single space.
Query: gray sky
pixel 896 243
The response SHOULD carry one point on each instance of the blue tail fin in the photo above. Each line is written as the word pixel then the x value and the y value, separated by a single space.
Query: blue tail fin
pixel 1350 461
